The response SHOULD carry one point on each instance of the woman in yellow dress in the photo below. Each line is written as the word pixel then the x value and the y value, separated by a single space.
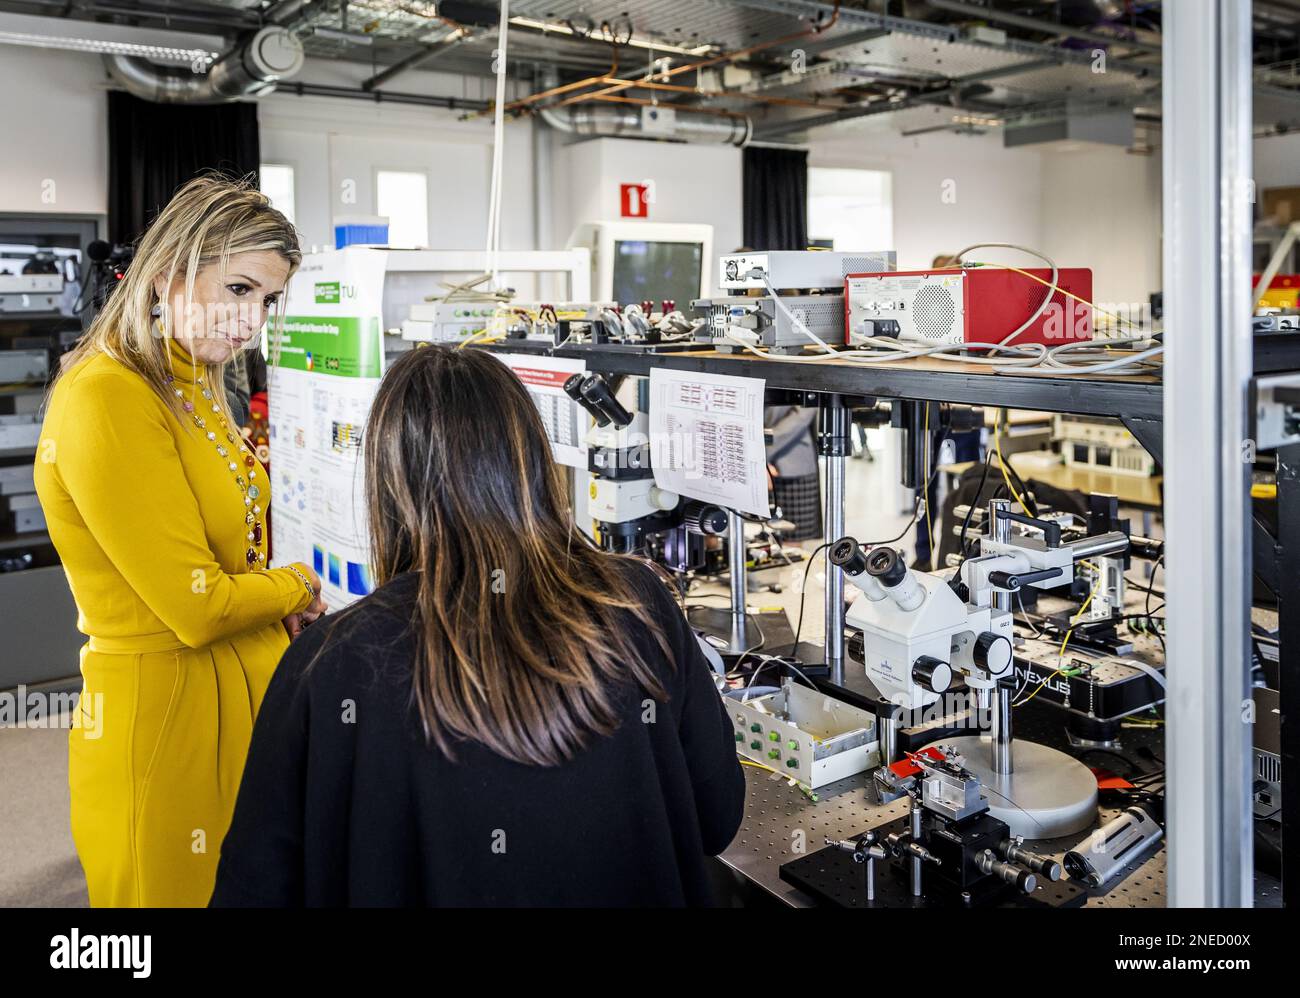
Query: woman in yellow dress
pixel 158 511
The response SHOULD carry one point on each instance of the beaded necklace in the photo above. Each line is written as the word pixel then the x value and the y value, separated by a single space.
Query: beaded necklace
pixel 249 489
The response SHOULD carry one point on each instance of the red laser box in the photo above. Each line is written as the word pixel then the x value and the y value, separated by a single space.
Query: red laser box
pixel 968 305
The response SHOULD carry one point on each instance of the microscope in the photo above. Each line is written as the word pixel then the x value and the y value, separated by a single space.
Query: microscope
pixel 923 633
pixel 622 496
pixel 1099 588
pixel 635 516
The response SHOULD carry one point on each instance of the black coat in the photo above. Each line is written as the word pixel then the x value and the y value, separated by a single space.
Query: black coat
pixel 364 812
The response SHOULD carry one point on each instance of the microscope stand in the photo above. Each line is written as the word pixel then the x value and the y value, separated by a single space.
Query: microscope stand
pixel 1049 794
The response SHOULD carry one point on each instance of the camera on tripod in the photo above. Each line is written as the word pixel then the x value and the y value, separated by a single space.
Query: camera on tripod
pixel 108 263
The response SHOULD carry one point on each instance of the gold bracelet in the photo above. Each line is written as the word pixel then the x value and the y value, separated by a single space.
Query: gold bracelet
pixel 305 581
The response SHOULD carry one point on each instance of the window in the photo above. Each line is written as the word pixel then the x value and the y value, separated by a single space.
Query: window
pixel 851 209
pixel 277 184
pixel 403 198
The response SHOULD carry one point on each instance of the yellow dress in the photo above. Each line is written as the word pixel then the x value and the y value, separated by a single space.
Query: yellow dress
pixel 183 633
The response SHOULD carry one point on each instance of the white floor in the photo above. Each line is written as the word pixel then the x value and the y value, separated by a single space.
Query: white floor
pixel 38 864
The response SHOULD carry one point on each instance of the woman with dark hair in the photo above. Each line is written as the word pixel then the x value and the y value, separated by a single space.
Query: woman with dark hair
pixel 513 717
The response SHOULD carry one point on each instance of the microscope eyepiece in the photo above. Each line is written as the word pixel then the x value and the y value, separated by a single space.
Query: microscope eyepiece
pixel 592 393
pixel 598 394
pixel 847 554
pixel 573 388
pixel 887 567
pixel 887 570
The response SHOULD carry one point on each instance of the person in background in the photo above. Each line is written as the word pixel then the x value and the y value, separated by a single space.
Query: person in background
pixel 513 717
pixel 792 467
pixel 245 376
pixel 158 512
pixel 235 381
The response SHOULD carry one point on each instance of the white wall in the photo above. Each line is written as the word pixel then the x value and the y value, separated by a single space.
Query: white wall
pixel 53 132
pixel 692 183
pixel 1088 206
pixel 336 146
pixel 1277 162
pixel 1101 209
pixel 949 190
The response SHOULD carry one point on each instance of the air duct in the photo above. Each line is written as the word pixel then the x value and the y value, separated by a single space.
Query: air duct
pixel 617 122
pixel 251 69
pixel 663 121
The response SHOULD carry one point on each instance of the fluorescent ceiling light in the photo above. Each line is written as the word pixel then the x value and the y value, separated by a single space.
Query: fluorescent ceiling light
pixel 154 53
pixel 564 29
pixel 170 47
pixel 976 119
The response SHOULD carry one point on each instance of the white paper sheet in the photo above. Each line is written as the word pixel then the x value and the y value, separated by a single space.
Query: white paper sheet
pixel 706 438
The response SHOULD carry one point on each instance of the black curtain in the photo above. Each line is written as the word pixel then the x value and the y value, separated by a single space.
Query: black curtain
pixel 155 148
pixel 776 199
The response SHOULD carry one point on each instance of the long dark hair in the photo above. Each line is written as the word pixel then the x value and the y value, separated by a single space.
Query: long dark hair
pixel 523 627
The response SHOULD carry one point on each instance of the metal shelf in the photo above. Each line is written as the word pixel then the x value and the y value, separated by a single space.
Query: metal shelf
pixel 37 538
pixel 935 381
pixel 1138 401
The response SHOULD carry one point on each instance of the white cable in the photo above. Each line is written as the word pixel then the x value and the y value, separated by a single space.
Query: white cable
pixel 1025 355
pixel 1029 357
pixel 1051 291
pixel 1109 367
pixel 793 319
pixel 1149 670
pixel 498 150
pixel 1058 357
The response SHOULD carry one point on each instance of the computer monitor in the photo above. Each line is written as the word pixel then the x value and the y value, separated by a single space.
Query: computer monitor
pixel 639 261
pixel 645 269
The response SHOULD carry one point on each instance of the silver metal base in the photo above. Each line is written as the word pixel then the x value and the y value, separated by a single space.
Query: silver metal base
pixel 1050 794
pixel 742 639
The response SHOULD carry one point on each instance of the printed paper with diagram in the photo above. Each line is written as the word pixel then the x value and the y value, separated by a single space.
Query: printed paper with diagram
pixel 706 438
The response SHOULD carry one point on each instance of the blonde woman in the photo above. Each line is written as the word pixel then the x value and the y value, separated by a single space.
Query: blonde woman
pixel 158 512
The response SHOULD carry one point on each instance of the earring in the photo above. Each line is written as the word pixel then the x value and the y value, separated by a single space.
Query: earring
pixel 156 311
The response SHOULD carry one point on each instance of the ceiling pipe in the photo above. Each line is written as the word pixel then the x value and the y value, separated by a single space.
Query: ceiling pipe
pixel 286 12
pixel 251 69
pixel 421 58
pixel 606 120
pixel 299 89
pixel 948 92
pixel 617 123
pixel 725 57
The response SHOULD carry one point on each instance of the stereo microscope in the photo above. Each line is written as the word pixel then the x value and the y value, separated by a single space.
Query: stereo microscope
pixel 922 633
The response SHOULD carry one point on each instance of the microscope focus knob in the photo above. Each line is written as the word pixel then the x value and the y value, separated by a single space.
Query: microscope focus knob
pixel 933 674
pixel 992 653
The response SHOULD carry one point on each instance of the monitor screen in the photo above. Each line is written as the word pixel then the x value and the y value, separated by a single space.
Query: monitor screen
pixel 655 271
